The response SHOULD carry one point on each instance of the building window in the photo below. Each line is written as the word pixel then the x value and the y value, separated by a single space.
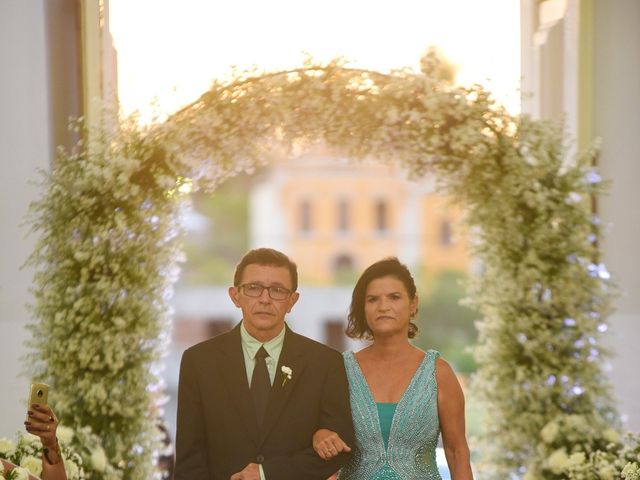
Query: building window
pixel 445 233
pixel 305 216
pixel 343 216
pixel 343 262
pixel 334 334
pixel 381 214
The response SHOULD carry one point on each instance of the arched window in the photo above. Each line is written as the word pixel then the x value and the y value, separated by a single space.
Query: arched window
pixel 381 214
pixel 445 233
pixel 343 262
pixel 305 220
pixel 343 216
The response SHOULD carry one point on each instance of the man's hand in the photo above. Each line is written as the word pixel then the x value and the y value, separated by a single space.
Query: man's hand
pixel 328 444
pixel 250 472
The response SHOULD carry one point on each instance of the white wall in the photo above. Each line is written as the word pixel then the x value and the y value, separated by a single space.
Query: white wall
pixel 616 119
pixel 25 145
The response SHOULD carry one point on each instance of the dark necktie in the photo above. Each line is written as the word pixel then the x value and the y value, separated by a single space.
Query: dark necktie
pixel 260 384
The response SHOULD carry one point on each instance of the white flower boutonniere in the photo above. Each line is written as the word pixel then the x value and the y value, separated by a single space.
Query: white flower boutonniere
pixel 286 373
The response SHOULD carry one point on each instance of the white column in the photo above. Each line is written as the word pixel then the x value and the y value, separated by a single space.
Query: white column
pixel 25 143
pixel 616 115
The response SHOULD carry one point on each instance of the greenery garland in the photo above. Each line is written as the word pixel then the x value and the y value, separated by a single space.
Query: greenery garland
pixel 109 245
pixel 105 264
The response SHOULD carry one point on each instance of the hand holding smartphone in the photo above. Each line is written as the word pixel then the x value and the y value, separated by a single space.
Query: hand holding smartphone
pixel 39 394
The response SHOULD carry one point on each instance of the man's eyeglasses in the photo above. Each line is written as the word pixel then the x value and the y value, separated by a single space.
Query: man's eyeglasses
pixel 255 290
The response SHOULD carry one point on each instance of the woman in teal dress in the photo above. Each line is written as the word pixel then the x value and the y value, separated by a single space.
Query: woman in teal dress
pixel 402 398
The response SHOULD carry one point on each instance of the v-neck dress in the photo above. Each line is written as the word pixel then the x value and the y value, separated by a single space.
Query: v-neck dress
pixel 409 452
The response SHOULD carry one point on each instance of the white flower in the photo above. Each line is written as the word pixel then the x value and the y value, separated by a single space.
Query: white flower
pixel 611 435
pixel 607 472
pixel 576 459
pixel 558 461
pixel 33 464
pixel 286 372
pixel 593 177
pixel 631 471
pixel 72 469
pixel 549 432
pixel 20 473
pixel 530 476
pixel 31 439
pixel 573 197
pixel 6 447
pixel 64 434
pixel 99 459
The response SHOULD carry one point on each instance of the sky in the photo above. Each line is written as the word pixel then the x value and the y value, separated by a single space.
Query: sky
pixel 169 51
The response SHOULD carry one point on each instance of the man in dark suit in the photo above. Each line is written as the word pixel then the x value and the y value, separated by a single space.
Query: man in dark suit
pixel 250 400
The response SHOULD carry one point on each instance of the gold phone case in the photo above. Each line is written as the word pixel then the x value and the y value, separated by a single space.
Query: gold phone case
pixel 39 394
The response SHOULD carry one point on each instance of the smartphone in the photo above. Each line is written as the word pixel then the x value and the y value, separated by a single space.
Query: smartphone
pixel 39 394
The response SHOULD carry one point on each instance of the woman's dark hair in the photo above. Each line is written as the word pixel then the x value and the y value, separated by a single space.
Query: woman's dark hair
pixel 388 267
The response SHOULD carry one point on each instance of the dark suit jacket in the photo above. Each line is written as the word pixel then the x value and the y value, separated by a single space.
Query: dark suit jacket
pixel 217 432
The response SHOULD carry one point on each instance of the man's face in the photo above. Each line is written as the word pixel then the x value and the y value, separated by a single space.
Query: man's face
pixel 263 317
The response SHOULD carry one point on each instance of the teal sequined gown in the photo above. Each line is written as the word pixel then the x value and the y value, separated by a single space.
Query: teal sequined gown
pixel 412 426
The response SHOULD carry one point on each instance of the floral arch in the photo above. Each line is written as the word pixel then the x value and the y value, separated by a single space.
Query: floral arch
pixel 109 247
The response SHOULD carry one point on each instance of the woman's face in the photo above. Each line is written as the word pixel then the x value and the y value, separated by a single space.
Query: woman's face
pixel 387 307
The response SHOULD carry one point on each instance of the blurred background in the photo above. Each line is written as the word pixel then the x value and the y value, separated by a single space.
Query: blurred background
pixel 334 217
pixel 565 60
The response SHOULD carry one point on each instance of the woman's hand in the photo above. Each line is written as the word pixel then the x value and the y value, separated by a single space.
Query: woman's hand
pixel 43 423
pixel 328 444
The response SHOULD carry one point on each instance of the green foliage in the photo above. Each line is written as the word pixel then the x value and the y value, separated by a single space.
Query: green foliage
pixel 345 276
pixel 107 253
pixel 445 324
pixel 212 255
pixel 105 263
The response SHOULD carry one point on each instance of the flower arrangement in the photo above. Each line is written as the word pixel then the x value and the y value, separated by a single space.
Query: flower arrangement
pixel 18 473
pixel 109 228
pixel 105 264
pixel 584 447
pixel 82 452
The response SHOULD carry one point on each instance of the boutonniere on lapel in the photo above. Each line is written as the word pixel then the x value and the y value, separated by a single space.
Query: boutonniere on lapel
pixel 286 374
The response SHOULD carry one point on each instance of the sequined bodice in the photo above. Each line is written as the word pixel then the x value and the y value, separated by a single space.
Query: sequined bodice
pixel 415 428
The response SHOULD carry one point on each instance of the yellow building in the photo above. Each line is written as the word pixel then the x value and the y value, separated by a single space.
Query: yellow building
pixel 335 217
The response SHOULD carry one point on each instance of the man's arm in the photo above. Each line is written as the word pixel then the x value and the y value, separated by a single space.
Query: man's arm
pixel 335 415
pixel 191 462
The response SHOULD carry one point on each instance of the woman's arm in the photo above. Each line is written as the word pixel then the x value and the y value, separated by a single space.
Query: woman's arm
pixel 452 422
pixel 43 423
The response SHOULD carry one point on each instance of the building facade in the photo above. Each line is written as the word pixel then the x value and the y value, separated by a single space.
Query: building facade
pixel 336 216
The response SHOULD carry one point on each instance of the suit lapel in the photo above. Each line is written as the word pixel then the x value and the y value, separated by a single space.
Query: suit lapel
pixel 234 373
pixel 292 356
